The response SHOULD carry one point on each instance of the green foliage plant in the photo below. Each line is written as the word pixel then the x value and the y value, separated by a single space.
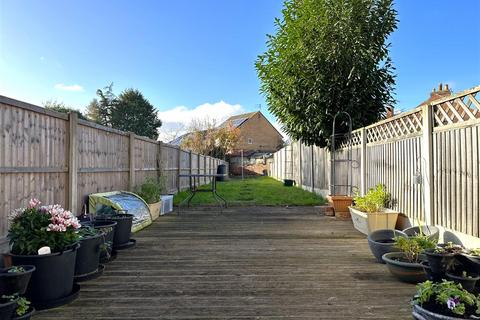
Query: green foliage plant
pixel 413 246
pixel 328 56
pixel 375 200
pixel 151 190
pixel 23 305
pixel 449 297
pixel 16 269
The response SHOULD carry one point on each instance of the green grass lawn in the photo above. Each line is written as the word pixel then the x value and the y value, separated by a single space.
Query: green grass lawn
pixel 255 191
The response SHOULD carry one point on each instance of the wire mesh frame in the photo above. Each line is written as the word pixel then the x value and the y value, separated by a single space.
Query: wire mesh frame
pixel 348 160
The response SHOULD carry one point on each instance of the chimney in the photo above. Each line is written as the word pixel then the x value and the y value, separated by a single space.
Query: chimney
pixel 443 91
pixel 390 111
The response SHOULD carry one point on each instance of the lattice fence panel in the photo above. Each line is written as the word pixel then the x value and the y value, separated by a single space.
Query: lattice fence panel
pixel 460 109
pixel 398 127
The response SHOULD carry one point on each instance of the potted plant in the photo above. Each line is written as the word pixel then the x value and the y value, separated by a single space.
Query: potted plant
pixel 8 304
pixel 15 279
pixel 107 227
pixel 383 241
pixel 123 229
pixel 470 260
pixel 370 213
pixel 466 279
pixel 23 311
pixel 445 300
pixel 441 258
pixel 88 255
pixel 151 191
pixel 45 237
pixel 405 265
pixel 431 231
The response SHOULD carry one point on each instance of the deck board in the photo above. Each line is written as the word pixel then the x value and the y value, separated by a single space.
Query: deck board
pixel 247 263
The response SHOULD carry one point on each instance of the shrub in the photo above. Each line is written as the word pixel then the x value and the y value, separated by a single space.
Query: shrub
pixel 151 190
pixel 38 226
pixel 413 246
pixel 375 200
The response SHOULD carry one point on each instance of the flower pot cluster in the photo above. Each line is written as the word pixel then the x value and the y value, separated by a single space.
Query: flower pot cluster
pixel 151 192
pixel 55 251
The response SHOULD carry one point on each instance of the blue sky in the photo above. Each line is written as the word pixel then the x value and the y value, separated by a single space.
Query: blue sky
pixel 191 57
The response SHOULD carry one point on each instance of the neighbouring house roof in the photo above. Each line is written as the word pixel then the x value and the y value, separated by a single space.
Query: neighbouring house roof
pixel 238 120
pixel 178 140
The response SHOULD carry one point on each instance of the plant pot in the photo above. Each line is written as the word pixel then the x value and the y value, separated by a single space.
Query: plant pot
pixel 439 262
pixel 430 231
pixel 26 316
pixel 420 313
pixel 108 229
pixel 155 209
pixel 428 272
pixel 404 271
pixel 367 223
pixel 88 255
pixel 123 230
pixel 469 263
pixel 288 182
pixel 467 283
pixel 340 203
pixel 15 282
pixel 53 277
pixel 7 308
pixel 382 241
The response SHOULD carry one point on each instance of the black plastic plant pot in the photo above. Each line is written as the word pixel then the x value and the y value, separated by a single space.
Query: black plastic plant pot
pixel 468 283
pixel 25 316
pixel 15 282
pixel 7 308
pixel 108 228
pixel 469 263
pixel 420 313
pixel 288 182
pixel 439 262
pixel 88 255
pixel 53 277
pixel 404 271
pixel 430 231
pixel 123 229
pixel 429 274
pixel 383 241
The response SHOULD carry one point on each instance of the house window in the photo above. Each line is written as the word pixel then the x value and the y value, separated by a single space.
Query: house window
pixel 250 141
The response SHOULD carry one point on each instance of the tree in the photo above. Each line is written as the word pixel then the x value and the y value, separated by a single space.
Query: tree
pixel 328 56
pixel 132 112
pixel 61 107
pixel 100 110
pixel 206 138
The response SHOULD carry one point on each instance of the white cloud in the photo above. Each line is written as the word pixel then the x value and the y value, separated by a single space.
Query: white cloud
pixel 176 120
pixel 64 87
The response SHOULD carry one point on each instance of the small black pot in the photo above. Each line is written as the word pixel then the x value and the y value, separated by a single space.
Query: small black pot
pixel 430 231
pixel 26 316
pixel 467 283
pixel 53 277
pixel 15 282
pixel 7 308
pixel 469 263
pixel 88 255
pixel 383 241
pixel 439 262
pixel 420 313
pixel 123 229
pixel 429 274
pixel 404 271
pixel 108 228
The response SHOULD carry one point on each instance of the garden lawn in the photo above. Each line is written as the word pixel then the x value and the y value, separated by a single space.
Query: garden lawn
pixel 255 191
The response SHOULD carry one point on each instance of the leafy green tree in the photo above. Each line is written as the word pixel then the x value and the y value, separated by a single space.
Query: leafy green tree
pixel 99 109
pixel 61 107
pixel 328 56
pixel 132 112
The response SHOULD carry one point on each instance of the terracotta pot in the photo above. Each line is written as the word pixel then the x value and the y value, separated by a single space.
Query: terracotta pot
pixel 340 203
pixel 155 209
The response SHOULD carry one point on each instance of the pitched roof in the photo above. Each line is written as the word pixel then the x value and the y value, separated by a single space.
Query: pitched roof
pixel 239 119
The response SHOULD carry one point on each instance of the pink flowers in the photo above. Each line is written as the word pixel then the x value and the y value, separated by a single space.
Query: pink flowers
pixel 33 203
pixel 60 219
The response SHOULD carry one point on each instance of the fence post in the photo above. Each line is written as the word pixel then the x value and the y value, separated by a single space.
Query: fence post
pixel 72 162
pixel 300 176
pixel 179 169
pixel 427 162
pixel 363 161
pixel 159 161
pixel 313 169
pixel 191 161
pixel 131 153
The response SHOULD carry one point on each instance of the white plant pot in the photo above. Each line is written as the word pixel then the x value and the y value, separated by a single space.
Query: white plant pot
pixel 366 223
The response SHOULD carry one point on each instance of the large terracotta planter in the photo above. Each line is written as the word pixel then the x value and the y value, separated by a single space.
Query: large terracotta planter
pixel 366 223
pixel 155 209
pixel 340 204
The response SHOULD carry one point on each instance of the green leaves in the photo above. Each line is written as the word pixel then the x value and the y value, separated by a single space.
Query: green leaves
pixel 413 246
pixel 374 201
pixel 151 190
pixel 328 56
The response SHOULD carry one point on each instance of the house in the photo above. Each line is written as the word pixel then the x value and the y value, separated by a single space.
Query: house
pixel 259 139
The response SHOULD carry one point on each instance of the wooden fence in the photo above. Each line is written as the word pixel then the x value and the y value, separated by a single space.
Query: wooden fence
pixel 58 158
pixel 429 159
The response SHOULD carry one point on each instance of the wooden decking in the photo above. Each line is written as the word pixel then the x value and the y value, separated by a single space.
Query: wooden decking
pixel 248 263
